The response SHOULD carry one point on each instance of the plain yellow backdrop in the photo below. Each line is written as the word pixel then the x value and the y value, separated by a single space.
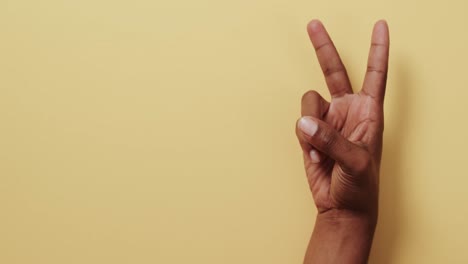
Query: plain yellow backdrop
pixel 163 131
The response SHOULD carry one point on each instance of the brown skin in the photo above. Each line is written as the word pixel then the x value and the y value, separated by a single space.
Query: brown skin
pixel 342 145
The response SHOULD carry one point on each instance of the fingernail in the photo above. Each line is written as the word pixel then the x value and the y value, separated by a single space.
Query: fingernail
pixel 308 126
pixel 314 156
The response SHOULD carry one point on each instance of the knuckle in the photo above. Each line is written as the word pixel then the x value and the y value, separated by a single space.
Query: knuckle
pixel 332 69
pixel 362 163
pixel 376 69
pixel 325 45
pixel 328 139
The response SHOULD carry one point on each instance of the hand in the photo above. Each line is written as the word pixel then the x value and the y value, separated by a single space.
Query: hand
pixel 342 139
pixel 342 145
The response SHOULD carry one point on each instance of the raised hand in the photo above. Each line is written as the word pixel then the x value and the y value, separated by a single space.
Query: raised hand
pixel 342 139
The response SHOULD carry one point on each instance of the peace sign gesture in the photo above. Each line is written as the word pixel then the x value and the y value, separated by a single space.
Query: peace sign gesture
pixel 342 139
pixel 342 145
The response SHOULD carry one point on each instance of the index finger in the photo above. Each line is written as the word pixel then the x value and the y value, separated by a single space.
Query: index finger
pixel 375 81
pixel 335 72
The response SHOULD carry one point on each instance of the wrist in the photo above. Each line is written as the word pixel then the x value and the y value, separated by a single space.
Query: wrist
pixel 340 236
pixel 347 225
pixel 345 219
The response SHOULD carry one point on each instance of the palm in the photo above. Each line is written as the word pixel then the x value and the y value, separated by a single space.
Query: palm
pixel 358 117
pixel 354 116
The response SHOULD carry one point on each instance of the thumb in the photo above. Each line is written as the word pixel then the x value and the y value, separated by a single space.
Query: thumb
pixel 352 157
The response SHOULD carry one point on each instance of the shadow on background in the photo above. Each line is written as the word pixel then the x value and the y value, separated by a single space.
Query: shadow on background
pixel 391 210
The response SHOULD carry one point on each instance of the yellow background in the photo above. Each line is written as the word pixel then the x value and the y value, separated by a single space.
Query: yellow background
pixel 163 131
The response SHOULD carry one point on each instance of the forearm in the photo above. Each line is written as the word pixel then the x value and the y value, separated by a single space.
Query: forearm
pixel 340 238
